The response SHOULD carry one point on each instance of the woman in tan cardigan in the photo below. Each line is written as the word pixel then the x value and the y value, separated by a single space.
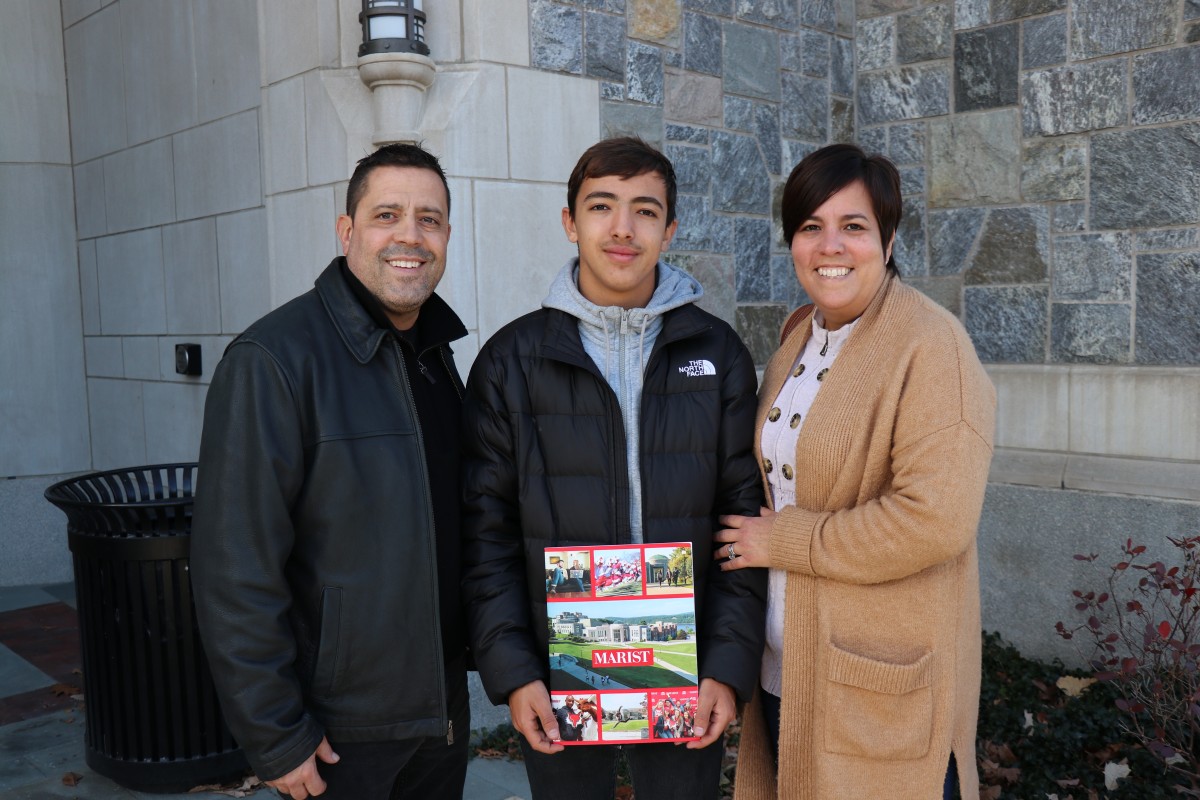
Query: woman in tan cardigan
pixel 870 680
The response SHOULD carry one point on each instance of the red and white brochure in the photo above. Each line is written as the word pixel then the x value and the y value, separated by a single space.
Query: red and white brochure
pixel 622 622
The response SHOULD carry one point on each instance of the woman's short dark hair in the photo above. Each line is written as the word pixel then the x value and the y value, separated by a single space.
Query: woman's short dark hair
pixel 825 172
pixel 626 157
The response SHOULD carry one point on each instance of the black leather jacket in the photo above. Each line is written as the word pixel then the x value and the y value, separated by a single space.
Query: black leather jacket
pixel 313 551
pixel 544 459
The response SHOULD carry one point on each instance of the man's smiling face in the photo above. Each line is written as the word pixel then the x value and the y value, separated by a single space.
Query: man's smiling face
pixel 396 241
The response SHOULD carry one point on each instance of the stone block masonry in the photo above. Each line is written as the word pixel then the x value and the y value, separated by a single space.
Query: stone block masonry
pixel 735 91
pixel 1067 131
pixel 1037 139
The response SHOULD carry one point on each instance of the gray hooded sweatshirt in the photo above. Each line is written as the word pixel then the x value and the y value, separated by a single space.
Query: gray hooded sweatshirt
pixel 620 342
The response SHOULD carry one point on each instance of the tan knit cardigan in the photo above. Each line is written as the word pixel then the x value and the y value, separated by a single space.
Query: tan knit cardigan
pixel 882 630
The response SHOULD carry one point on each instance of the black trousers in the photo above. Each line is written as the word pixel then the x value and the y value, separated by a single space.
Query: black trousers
pixel 420 769
pixel 659 771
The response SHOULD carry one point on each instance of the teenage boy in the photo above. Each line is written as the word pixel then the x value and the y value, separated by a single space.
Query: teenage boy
pixel 619 412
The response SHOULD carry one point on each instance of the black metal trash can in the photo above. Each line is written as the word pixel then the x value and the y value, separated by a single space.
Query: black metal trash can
pixel 153 722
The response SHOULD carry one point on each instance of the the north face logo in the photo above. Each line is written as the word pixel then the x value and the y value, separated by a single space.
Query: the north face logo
pixel 695 369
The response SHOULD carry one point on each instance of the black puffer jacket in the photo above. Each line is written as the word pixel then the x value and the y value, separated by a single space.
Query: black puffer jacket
pixel 313 550
pixel 545 465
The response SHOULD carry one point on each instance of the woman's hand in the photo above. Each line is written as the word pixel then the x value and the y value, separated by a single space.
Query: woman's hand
pixel 750 538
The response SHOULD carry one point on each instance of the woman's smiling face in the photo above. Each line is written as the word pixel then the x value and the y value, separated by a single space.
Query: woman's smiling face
pixel 839 255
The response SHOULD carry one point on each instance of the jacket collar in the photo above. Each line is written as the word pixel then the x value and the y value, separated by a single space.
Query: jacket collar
pixel 359 330
pixel 561 339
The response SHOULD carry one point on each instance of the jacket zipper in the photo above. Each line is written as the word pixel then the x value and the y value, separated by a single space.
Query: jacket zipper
pixel 617 420
pixel 623 445
pixel 454 380
pixel 660 344
pixel 402 380
pixel 458 388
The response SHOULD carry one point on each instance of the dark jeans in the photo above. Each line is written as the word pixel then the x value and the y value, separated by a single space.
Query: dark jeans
pixel 770 706
pixel 659 771
pixel 422 769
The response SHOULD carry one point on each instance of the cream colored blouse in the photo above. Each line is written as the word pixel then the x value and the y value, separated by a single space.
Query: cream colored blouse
pixel 779 436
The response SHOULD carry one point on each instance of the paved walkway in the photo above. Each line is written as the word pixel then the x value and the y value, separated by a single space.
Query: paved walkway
pixel 42 716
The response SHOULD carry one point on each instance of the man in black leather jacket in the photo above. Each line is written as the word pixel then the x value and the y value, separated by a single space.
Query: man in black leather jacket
pixel 619 412
pixel 325 548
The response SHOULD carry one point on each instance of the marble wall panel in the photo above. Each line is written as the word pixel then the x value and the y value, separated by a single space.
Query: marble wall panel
pixel 545 146
pixel 244 273
pixel 1128 189
pixel 96 85
pixel 33 88
pixel 466 121
pixel 174 415
pixel 104 356
pixel 89 288
pixel 160 68
pixel 91 219
pixel 303 241
pixel 284 140
pixel 458 286
pixel 139 355
pixel 298 35
pixel 1168 294
pixel 129 268
pixel 118 436
pixel 517 218
pixel 1032 406
pixel 225 37
pixel 192 277
pixel 139 187
pixel 1120 412
pixel 217 167
pixel 43 425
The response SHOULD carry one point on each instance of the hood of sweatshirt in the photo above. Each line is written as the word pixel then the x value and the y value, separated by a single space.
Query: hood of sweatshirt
pixel 673 288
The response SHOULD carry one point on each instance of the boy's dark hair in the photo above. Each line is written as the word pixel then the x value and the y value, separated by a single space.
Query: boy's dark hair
pixel 626 157
pixel 391 155
pixel 825 172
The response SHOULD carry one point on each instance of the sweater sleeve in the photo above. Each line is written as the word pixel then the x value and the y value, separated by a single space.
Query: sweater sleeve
pixel 735 604
pixel 495 597
pixel 251 471
pixel 937 471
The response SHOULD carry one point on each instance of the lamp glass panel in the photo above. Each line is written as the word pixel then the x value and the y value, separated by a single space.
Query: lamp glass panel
pixel 389 27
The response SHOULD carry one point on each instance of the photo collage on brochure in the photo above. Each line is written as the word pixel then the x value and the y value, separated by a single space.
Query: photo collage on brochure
pixel 622 627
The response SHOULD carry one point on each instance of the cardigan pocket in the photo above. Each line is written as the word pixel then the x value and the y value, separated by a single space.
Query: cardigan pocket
pixel 877 709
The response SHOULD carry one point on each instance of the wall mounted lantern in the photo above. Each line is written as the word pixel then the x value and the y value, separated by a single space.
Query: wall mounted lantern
pixel 393 61
pixel 393 26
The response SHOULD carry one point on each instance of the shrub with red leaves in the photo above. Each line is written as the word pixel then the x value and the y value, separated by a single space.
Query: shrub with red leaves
pixel 1142 634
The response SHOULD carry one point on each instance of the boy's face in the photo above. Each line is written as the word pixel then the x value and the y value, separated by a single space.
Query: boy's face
pixel 620 227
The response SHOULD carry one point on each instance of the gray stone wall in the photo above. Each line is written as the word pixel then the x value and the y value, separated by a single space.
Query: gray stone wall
pixel 735 92
pixel 1049 152
pixel 1028 540
pixel 1055 179
pixel 1049 149
pixel 44 427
